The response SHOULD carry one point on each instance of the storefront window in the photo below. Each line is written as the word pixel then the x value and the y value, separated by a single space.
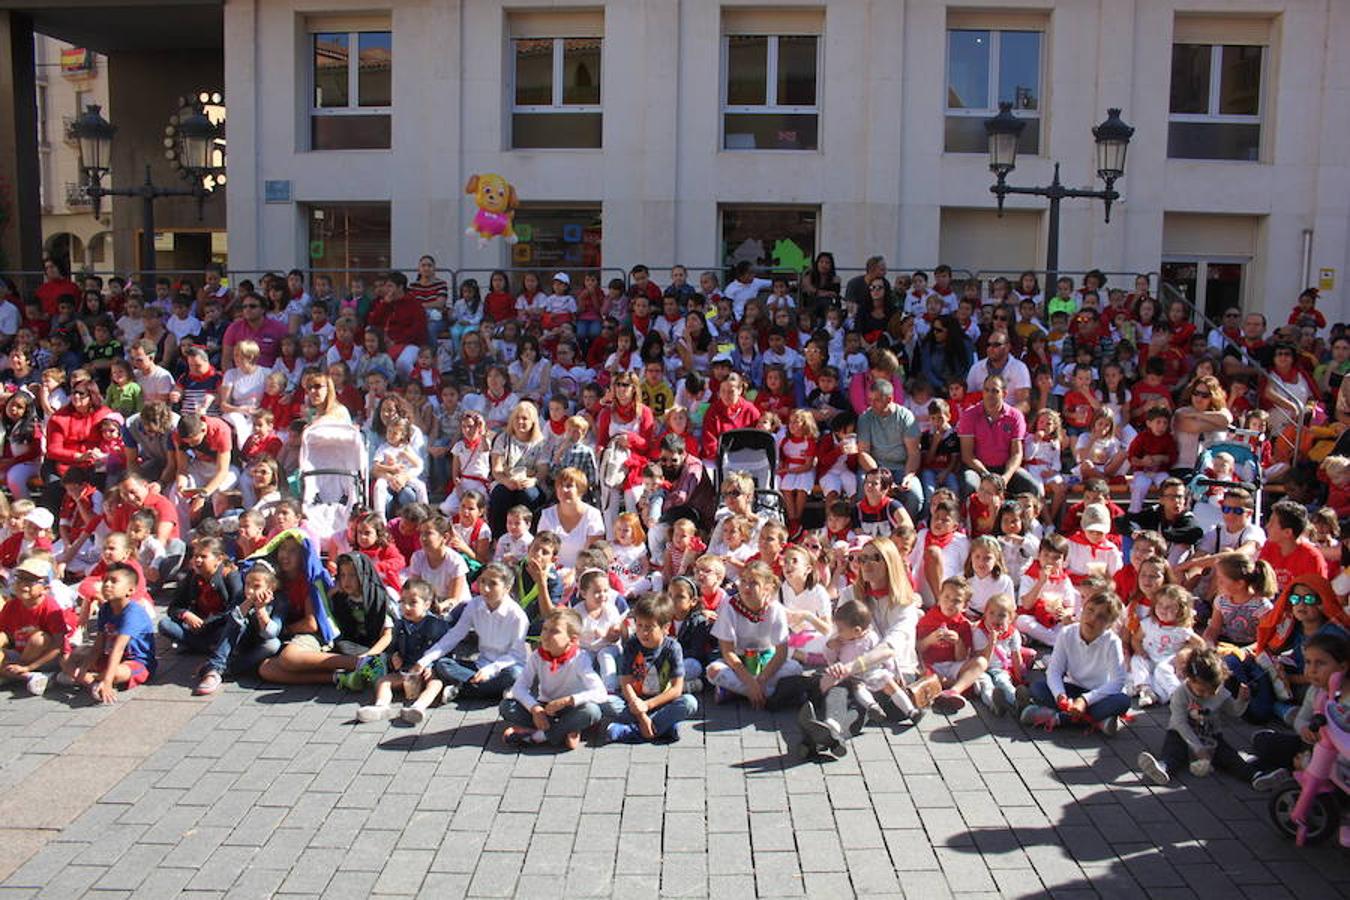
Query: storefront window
pixel 349 239
pixel 557 237
pixel 779 238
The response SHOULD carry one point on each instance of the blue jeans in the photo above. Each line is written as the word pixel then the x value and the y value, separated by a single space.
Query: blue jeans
pixel 451 671
pixel 503 498
pixel 664 718
pixel 932 480
pixel 240 648
pixel 1105 708
pixel 587 331
pixel 573 721
pixel 200 640
pixel 1261 707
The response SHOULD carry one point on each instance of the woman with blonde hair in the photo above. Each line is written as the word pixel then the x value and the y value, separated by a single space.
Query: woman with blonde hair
pixel 321 397
pixel 518 457
pixel 241 389
pixel 884 587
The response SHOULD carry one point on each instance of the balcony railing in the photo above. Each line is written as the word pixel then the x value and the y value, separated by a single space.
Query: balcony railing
pixel 77 196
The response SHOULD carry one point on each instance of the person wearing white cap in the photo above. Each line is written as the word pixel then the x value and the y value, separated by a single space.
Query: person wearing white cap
pixel 1091 550
pixel 36 535
pixel 34 629
pixel 559 308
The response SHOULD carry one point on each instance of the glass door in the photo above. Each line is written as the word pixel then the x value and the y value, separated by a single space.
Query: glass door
pixel 1210 285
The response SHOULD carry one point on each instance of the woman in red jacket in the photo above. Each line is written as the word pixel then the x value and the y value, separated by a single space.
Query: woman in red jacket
pixel 72 438
pixel 628 418
pixel 729 411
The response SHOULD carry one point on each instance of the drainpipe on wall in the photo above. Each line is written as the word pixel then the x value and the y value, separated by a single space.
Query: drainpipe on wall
pixel 1306 274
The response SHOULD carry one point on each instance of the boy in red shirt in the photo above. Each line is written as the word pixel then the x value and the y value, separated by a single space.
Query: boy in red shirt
pixel 1153 453
pixel 944 640
pixel 264 441
pixel 1150 391
pixel 34 629
pixel 1080 403
pixel 1288 553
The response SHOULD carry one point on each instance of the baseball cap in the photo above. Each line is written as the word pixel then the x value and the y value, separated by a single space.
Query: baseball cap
pixel 1096 517
pixel 36 568
pixel 563 277
pixel 722 358
pixel 41 517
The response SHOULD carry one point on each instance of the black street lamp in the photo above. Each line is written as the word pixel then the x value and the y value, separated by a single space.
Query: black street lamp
pixel 193 145
pixel 1113 139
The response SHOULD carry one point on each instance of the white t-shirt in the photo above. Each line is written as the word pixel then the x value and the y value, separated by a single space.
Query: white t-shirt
pixel 740 293
pixel 743 634
pixel 590 525
pixel 156 385
pixel 9 318
pixel 442 577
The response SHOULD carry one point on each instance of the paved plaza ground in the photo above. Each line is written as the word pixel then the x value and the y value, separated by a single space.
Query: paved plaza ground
pixel 272 792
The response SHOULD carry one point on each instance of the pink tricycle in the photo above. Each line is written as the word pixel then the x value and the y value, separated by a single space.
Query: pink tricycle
pixel 1309 810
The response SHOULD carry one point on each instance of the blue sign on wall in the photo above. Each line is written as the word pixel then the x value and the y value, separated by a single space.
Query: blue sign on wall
pixel 277 191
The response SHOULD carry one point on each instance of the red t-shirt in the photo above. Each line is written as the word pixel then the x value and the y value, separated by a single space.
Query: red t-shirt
pixel 1146 443
pixel 1077 410
pixel 931 622
pixel 217 440
pixel 118 517
pixel 1304 559
pixel 21 622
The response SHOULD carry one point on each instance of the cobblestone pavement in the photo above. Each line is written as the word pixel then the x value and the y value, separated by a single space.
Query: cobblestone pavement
pixel 262 792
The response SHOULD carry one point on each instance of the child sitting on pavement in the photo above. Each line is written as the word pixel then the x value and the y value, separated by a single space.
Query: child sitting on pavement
pixel 499 624
pixel 1085 677
pixel 651 702
pixel 416 630
pixel 34 629
pixel 123 655
pixel 558 695
pixel 1199 707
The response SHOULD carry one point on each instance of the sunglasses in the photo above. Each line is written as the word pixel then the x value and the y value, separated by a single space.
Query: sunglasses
pixel 877 287
pixel 1205 394
pixel 732 492
pixel 1309 599
pixel 1232 510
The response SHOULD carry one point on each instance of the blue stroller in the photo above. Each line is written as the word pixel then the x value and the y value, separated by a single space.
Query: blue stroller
pixel 1205 490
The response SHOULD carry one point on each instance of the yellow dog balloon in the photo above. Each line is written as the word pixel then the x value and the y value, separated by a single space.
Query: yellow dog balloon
pixel 496 201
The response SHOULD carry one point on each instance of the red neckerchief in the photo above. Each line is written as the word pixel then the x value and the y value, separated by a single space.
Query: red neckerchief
pixel 941 542
pixel 642 323
pixel 810 374
pixel 344 351
pixel 625 413
pixel 1080 538
pixel 877 594
pixel 918 295
pixel 1166 623
pixel 755 616
pixel 493 401
pixel 837 535
pixel 557 427
pixel 625 360
pixel 864 506
pixel 472 445
pixel 673 319
pixel 995 636
pixel 557 662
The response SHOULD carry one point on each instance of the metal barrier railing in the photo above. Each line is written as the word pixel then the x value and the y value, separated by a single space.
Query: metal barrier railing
pixel 1114 280
pixel 1170 292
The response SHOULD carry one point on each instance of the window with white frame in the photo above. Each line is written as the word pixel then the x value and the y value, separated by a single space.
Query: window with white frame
pixel 351 72
pixel 556 92
pixel 771 92
pixel 984 68
pixel 1215 104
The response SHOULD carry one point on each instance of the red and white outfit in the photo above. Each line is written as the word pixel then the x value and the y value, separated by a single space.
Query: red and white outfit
pixel 1084 555
pixel 797 452
pixel 954 547
pixel 1042 623
pixel 475 473
pixel 1154 668
pixel 835 469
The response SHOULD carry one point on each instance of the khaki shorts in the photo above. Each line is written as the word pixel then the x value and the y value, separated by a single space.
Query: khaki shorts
pixel 309 643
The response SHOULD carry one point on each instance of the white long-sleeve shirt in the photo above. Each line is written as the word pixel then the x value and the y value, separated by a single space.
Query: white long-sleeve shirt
pixel 575 678
pixel 501 636
pixel 1098 668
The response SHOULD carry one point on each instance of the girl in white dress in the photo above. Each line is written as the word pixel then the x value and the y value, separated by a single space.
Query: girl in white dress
pixel 797 464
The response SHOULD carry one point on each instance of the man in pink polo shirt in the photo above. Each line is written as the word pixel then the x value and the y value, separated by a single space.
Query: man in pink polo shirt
pixel 991 441
pixel 254 325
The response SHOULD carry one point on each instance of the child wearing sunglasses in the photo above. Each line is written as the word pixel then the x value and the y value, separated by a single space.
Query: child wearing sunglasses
pixel 1307 608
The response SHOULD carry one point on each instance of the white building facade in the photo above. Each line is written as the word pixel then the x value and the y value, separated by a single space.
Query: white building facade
pixel 702 132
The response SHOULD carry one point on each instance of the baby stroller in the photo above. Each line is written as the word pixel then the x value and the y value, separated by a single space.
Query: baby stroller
pixel 334 477
pixel 1309 809
pixel 754 452
pixel 1247 475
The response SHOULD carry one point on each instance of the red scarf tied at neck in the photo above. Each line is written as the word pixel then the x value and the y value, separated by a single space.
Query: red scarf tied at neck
pixel 941 542
pixel 557 662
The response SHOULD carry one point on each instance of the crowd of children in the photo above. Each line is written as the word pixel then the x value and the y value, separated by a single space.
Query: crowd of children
pixel 549 524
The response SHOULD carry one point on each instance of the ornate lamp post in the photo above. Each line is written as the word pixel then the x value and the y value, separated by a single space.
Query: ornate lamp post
pixel 1113 139
pixel 193 145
